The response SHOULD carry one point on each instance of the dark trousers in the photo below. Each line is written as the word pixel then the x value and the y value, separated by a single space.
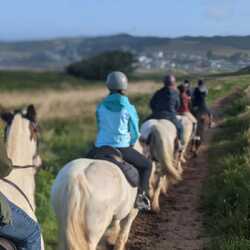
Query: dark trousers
pixel 141 163
pixel 197 111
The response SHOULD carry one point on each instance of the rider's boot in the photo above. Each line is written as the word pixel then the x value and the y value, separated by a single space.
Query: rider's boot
pixel 180 146
pixel 195 137
pixel 142 202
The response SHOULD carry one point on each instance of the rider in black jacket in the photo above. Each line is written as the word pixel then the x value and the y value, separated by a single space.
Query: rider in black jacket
pixel 165 103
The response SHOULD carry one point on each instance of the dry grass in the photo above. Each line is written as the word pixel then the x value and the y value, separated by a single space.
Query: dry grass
pixel 67 103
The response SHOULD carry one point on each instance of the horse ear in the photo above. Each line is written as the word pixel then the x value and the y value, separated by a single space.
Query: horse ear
pixel 31 113
pixel 7 117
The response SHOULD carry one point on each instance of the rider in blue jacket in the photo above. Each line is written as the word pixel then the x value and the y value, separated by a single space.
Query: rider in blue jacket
pixel 118 127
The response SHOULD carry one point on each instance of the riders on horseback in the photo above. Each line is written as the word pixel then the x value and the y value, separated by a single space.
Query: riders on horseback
pixel 15 224
pixel 118 127
pixel 199 104
pixel 165 104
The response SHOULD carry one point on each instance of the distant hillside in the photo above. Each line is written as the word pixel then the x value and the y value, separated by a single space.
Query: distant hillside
pixel 55 54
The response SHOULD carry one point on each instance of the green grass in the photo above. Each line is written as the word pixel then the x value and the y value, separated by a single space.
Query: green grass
pixel 226 193
pixel 65 140
pixel 32 80
pixel 26 80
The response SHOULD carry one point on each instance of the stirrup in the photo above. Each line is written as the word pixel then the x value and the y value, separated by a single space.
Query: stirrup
pixel 142 202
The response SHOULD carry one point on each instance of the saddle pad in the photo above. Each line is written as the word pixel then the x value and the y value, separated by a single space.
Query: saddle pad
pixel 115 156
pixel 6 245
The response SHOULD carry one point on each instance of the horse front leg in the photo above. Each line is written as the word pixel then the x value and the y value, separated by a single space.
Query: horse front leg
pixel 125 229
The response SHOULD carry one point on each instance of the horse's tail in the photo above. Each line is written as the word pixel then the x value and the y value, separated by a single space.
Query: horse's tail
pixel 162 149
pixel 76 229
pixel 71 213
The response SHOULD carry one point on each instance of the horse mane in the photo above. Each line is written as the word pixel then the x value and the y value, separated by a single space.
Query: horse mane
pixel 21 148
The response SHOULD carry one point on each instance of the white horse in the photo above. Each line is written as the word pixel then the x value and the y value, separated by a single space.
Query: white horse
pixel 88 196
pixel 21 141
pixel 160 136
pixel 188 131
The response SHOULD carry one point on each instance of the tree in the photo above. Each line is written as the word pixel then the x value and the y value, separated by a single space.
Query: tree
pixel 98 67
pixel 210 55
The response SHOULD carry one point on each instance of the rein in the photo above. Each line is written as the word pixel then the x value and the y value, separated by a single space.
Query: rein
pixel 23 167
pixel 19 190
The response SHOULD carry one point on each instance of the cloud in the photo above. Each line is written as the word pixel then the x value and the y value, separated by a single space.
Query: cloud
pixel 219 10
pixel 216 13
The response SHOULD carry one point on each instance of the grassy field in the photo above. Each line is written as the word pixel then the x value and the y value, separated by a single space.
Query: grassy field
pixel 66 108
pixel 226 200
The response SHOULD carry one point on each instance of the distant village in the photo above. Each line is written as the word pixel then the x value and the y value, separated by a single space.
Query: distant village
pixel 191 62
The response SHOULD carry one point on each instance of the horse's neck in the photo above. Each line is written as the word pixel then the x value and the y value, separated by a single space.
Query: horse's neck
pixel 25 180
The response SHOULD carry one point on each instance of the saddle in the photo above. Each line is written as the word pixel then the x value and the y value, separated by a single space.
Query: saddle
pixel 113 155
pixel 6 244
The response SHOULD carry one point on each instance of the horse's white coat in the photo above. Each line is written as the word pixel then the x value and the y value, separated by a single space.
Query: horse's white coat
pixel 167 169
pixel 92 193
pixel 21 150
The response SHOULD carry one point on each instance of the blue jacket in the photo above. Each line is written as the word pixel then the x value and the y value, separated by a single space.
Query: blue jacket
pixel 117 121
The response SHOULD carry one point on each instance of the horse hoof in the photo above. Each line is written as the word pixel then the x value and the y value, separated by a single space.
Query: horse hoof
pixel 155 210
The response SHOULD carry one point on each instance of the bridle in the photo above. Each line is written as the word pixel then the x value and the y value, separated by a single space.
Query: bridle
pixel 22 167
pixel 20 191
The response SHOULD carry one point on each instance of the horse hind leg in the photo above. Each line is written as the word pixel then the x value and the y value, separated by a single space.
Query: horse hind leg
pixel 113 232
pixel 156 199
pixel 165 186
pixel 125 230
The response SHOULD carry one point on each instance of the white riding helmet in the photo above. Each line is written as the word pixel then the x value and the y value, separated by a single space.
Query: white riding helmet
pixel 117 81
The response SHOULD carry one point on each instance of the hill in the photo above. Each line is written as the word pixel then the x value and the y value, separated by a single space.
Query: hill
pixel 56 53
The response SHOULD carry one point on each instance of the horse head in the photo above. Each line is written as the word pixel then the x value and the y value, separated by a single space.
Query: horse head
pixel 21 137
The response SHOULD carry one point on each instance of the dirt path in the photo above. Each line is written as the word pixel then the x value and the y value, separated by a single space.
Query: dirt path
pixel 179 226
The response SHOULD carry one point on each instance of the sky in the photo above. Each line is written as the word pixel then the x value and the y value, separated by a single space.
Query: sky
pixel 42 19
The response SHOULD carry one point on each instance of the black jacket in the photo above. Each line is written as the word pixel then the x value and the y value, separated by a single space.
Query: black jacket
pixel 165 101
pixel 199 98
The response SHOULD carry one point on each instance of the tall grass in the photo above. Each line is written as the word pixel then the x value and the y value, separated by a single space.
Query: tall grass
pixel 226 194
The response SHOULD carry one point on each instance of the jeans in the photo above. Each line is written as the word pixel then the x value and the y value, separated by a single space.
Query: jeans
pixel 171 117
pixel 24 232
pixel 142 164
pixel 179 127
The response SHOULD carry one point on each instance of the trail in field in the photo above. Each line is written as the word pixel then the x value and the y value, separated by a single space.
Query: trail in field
pixel 67 103
pixel 179 226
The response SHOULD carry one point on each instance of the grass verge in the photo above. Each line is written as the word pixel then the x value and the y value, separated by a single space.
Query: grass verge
pixel 226 193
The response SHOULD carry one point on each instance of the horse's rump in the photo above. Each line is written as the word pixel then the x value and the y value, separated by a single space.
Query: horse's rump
pixel 92 193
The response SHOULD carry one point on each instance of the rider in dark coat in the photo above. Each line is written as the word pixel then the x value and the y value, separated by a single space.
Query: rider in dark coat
pixel 165 103
pixel 199 103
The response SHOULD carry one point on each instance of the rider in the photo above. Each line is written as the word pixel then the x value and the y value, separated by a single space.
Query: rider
pixel 118 127
pixel 199 103
pixel 184 108
pixel 164 105
pixel 188 87
pixel 15 224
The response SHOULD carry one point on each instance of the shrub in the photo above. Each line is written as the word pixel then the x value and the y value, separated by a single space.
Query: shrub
pixel 97 68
